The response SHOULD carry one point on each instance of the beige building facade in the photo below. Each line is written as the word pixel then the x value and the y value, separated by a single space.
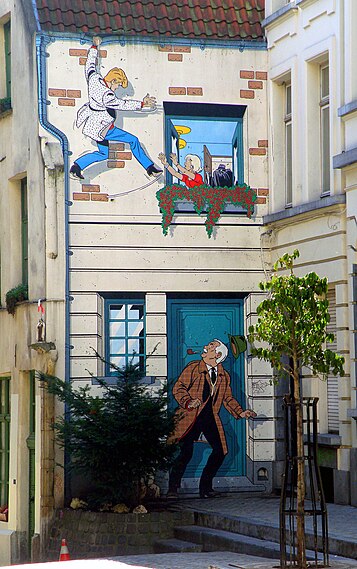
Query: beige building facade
pixel 32 258
pixel 312 92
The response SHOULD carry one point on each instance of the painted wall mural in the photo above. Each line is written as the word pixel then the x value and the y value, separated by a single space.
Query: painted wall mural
pixel 97 117
pixel 203 387
pixel 203 153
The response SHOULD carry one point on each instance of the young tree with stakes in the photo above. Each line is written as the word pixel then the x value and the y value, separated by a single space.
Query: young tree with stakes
pixel 292 320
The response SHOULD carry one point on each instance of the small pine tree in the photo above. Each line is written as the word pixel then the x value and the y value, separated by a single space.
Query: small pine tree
pixel 118 439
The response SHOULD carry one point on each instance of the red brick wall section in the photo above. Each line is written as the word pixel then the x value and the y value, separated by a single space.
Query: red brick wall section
pixel 175 53
pixel 246 74
pixel 257 151
pixel 65 97
pixel 245 94
pixel 90 192
pixel 262 75
pixel 255 82
pixel 192 91
pixel 82 54
pixel 177 90
pixel 175 56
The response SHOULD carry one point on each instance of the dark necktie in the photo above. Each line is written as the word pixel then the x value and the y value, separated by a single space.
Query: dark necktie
pixel 213 376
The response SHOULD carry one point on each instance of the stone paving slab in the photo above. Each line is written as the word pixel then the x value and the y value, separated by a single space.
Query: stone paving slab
pixel 342 520
pixel 214 560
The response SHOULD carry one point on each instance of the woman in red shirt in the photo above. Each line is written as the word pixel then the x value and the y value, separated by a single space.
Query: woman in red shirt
pixel 187 173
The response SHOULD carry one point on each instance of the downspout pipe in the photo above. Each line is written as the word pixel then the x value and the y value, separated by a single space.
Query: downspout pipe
pixel 41 42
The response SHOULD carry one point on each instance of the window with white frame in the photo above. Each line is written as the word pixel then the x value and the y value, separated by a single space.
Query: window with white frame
pixel 288 148
pixel 125 332
pixel 325 128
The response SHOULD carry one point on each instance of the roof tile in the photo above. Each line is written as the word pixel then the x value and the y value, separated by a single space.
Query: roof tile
pixel 200 19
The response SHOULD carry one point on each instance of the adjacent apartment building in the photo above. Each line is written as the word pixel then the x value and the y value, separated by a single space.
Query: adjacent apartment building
pixel 313 199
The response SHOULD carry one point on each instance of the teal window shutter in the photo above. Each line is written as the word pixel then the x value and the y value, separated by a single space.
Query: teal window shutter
pixel 24 231
pixel 7 38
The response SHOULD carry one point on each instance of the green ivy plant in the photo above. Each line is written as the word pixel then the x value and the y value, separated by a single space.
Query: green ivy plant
pixel 214 199
pixel 5 104
pixel 292 322
pixel 15 295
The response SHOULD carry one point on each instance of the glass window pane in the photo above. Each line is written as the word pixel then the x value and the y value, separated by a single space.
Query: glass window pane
pixel 134 360
pixel 135 311
pixel 135 328
pixel 117 346
pixel 117 312
pixel 325 87
pixel 288 163
pixel 134 346
pixel 325 148
pixel 117 329
pixel 119 362
pixel 288 100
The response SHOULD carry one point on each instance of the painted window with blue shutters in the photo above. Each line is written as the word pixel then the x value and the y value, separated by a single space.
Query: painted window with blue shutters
pixel 125 332
pixel 212 132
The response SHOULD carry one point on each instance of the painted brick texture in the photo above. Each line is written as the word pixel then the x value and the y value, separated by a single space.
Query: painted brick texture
pixel 255 84
pixel 261 75
pixel 246 74
pixel 245 94
pixel 175 57
pixel 66 102
pixel 257 151
pixel 177 90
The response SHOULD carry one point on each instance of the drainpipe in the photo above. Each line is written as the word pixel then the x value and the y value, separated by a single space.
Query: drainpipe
pixel 41 55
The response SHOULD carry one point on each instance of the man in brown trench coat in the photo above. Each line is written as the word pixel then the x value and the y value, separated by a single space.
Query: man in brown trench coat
pixel 202 388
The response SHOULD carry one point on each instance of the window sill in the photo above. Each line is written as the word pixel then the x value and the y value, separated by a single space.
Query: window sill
pixel 5 113
pixel 327 201
pixel 352 413
pixel 187 207
pixel 329 440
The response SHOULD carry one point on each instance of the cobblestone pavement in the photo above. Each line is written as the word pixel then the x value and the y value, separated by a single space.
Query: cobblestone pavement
pixel 342 520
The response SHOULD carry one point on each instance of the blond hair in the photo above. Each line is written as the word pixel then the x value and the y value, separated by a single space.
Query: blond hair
pixel 196 162
pixel 118 76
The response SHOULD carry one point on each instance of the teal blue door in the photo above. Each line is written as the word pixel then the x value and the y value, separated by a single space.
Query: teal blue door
pixel 191 325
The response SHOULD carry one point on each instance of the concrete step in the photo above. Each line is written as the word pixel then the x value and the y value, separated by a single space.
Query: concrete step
pixel 220 540
pixel 176 546
pixel 270 531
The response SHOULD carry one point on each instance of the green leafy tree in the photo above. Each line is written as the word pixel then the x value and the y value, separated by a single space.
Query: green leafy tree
pixel 117 439
pixel 292 322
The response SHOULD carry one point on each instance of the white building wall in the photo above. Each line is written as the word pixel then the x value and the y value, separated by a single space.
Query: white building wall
pixel 302 36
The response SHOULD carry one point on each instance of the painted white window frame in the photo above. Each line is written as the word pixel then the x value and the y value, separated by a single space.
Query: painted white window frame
pixel 288 140
pixel 325 131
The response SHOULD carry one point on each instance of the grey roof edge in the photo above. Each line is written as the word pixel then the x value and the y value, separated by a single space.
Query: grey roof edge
pixel 345 159
pixel 278 14
pixel 323 202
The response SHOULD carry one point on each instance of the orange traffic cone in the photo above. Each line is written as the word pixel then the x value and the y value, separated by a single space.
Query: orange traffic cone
pixel 64 553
